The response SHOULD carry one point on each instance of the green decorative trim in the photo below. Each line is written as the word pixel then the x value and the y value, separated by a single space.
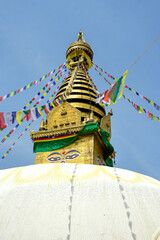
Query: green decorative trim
pixel 88 128
pixel 109 162
pixel 53 145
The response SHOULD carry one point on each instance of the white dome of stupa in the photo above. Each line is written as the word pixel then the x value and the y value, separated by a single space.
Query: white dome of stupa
pixel 78 202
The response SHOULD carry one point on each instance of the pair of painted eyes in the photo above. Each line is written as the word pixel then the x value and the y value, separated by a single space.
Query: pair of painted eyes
pixel 68 157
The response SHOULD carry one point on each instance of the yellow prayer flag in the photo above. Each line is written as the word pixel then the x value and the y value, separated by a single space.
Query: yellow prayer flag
pixel 28 85
pixel 133 91
pixel 5 154
pixel 53 105
pixel 43 77
pixel 53 77
pixel 27 105
pixel 39 110
pixel 152 103
pixel 12 94
pixel 41 90
pixel 18 117
pixel 45 94
pixel 124 77
pixel 56 80
pixel 154 118
pixel 140 110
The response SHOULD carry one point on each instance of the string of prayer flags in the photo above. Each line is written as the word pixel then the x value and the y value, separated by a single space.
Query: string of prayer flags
pixel 8 135
pixel 100 73
pixel 88 78
pixel 29 85
pixel 142 110
pixel 43 89
pixel 67 92
pixel 45 93
pixel 17 115
pixel 142 97
pixel 11 147
pixel 127 87
pixel 33 112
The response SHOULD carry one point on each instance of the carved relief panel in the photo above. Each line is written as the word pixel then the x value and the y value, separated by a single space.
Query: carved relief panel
pixel 63 116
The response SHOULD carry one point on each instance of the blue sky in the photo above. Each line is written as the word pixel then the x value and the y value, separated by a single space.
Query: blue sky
pixel 34 36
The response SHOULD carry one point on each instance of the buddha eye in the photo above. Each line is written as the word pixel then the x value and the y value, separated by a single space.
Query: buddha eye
pixel 72 156
pixel 54 159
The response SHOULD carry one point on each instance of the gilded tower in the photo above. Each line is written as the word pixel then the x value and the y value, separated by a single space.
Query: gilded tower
pixel 78 130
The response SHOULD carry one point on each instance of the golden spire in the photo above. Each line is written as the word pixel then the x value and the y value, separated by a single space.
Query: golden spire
pixel 83 95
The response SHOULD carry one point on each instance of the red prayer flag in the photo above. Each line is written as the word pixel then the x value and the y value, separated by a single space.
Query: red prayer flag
pixel 28 116
pixel 1 98
pixel 2 121
pixel 45 109
pixel 11 131
pixel 149 115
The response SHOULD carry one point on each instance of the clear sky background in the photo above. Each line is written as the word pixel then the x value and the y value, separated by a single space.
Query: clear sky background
pixel 34 36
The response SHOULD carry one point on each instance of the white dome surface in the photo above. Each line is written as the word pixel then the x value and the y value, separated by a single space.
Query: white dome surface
pixel 78 202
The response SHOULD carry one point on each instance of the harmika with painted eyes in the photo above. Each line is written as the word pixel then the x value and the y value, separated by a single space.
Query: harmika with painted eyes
pixel 61 157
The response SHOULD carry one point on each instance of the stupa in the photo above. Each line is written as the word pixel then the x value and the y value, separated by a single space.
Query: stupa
pixel 73 192
pixel 78 130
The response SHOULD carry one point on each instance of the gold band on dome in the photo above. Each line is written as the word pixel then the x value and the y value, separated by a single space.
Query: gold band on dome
pixel 77 53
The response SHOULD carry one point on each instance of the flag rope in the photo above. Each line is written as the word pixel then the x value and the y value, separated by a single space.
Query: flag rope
pixel 2 98
pixel 127 87
pixel 13 130
pixel 11 147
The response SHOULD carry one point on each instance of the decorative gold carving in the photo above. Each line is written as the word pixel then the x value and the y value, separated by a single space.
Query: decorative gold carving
pixel 42 126
pixel 80 36
pixel 63 112
pixel 105 123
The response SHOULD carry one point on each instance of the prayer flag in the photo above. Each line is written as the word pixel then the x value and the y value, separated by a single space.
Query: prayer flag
pixel 99 99
pixel 37 113
pixel 140 110
pixel 28 115
pixel 39 110
pixel 8 118
pixel 33 114
pixel 18 116
pixel 46 109
pixel 124 77
pixel 112 92
pixel 2 121
pixel 13 116
pixel 53 104
pixel 50 107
